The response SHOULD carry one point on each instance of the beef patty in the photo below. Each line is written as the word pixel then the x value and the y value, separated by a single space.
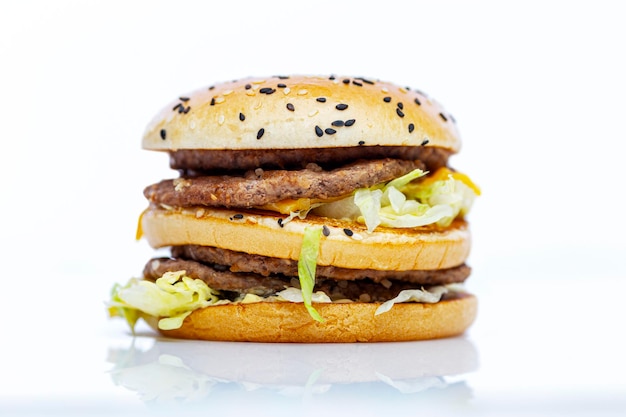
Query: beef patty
pixel 240 273
pixel 260 187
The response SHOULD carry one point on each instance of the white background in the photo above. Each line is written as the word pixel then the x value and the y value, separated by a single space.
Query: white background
pixel 538 90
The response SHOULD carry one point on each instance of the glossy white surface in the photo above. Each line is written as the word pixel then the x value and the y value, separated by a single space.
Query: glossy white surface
pixel 538 91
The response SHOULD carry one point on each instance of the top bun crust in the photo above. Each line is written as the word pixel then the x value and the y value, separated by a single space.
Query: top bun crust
pixel 298 112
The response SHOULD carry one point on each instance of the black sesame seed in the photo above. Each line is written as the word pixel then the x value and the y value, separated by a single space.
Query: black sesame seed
pixel 260 133
pixel 242 117
pixel 350 122
pixel 348 232
pixel 425 142
pixel 280 223
pixel 185 99
pixel 267 90
pixel 387 99
pixel 248 86
pixel 361 142
pixel 238 216
pixel 290 107
pixel 418 102
pixel 357 83
pixel 211 87
pixel 187 109
pixel 283 77
pixel 346 81
pixel 400 105
pixel 213 101
pixel 330 131
pixel 411 127
pixel 281 85
pixel 177 107
pixel 325 231
pixel 443 116
pixel 163 134
pixel 338 123
pixel 321 99
pixel 341 106
pixel 366 81
pixel 399 112
pixel 181 109
pixel 332 77
pixel 319 132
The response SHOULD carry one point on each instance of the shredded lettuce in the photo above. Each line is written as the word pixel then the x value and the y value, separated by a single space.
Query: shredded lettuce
pixel 171 298
pixel 432 295
pixel 307 265
pixel 405 203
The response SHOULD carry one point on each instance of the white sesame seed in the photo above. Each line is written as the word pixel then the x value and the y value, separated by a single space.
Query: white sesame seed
pixel 384 90
pixel 313 112
pixel 199 213
pixel 227 92
pixel 404 90
pixel 287 90
pixel 258 105
pixel 303 92
pixel 250 93
pixel 220 120
pixel 258 81
pixel 219 99
pixel 256 87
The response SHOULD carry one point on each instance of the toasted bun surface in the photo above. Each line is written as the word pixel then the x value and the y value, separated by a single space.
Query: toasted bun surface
pixel 295 113
pixel 260 233
pixel 350 322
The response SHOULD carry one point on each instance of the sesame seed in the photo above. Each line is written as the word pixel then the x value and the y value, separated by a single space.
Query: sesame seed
pixel 281 85
pixel 238 216
pixel 387 99
pixel 227 92
pixel 332 77
pixel 219 99
pixel 425 142
pixel 319 132
pixel 341 106
pixel 248 86
pixel 350 122
pixel 325 231
pixel 220 120
pixel 400 105
pixel 321 99
pixel 313 112
pixel 267 90
pixel 185 99
pixel 411 127
pixel 258 105
pixel 177 107
pixel 361 142
pixel 348 232
pixel 211 87
pixel 287 90
pixel 338 123
pixel 250 93
pixel 399 112
pixel 445 119
pixel 417 102
pixel 290 107
pixel 384 90
pixel 260 133
pixel 365 80
pixel 258 81
pixel 403 90
pixel 242 117
pixel 330 131
pixel 163 134
pixel 303 92
pixel 186 110
pixel 283 77
pixel 357 83
pixel 280 223
pixel 346 81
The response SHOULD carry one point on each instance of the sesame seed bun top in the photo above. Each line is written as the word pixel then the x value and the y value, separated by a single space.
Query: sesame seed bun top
pixel 301 112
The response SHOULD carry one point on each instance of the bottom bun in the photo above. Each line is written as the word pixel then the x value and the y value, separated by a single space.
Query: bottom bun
pixel 344 322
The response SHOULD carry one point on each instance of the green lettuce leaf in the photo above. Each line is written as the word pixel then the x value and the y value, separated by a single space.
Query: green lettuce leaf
pixel 171 298
pixel 307 265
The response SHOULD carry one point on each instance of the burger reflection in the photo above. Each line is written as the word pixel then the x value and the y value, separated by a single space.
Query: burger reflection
pixel 167 371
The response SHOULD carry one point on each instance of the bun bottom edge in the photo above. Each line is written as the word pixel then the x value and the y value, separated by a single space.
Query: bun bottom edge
pixel 284 322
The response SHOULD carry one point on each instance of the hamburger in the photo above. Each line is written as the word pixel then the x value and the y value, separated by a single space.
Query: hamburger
pixel 306 209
